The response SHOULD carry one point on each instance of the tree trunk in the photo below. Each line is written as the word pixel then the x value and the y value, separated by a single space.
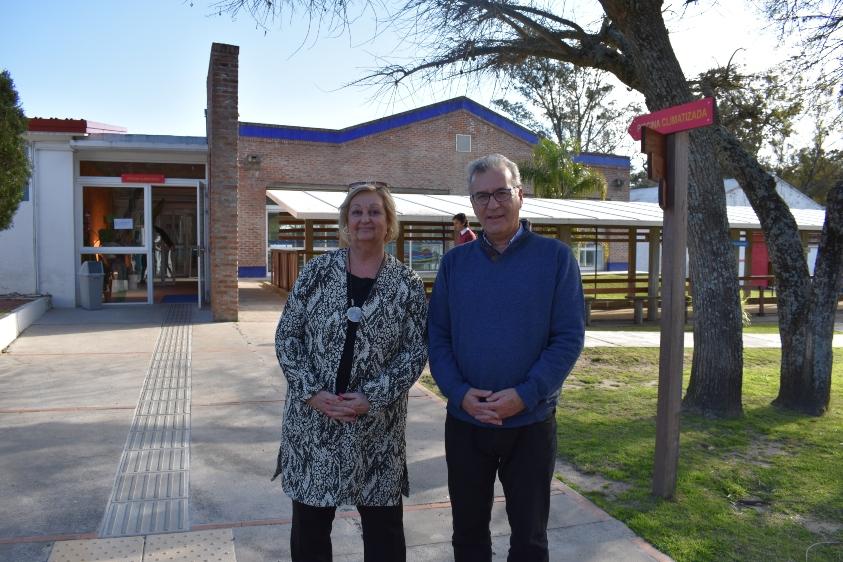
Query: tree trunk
pixel 717 368
pixel 814 397
pixel 806 377
pixel 805 307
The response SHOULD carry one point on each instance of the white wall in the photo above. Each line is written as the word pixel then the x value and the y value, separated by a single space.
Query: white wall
pixel 642 256
pixel 17 261
pixel 55 251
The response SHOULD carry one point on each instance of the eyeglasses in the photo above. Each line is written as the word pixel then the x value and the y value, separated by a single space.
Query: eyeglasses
pixel 502 195
pixel 375 184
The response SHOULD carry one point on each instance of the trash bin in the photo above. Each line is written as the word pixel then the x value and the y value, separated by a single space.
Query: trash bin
pixel 90 284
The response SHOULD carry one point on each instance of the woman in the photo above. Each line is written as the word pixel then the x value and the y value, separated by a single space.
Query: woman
pixel 351 344
pixel 462 232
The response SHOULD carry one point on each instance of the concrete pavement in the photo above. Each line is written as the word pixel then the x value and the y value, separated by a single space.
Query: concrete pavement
pixel 595 338
pixel 70 390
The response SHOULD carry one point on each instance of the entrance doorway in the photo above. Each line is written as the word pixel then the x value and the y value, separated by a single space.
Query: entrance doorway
pixel 149 238
pixel 175 261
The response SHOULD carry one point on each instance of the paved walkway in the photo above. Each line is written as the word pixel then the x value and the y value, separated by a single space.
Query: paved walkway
pixel 598 338
pixel 142 420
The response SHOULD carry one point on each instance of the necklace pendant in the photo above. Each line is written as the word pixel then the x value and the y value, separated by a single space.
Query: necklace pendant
pixel 354 314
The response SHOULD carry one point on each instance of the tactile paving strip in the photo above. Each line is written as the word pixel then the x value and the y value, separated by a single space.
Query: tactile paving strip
pixel 204 546
pixel 150 493
pixel 100 550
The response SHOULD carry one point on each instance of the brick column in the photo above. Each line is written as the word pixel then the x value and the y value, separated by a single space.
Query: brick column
pixel 221 121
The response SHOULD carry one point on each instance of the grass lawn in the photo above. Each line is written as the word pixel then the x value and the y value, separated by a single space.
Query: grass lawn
pixel 763 487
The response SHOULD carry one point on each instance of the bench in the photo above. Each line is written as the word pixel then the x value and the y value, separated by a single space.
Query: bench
pixel 636 303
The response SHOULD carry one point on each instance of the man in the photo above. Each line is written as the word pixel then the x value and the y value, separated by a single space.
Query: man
pixel 506 325
pixel 462 231
pixel 163 245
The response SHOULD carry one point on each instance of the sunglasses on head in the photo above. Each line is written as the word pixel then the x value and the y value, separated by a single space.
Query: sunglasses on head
pixel 375 184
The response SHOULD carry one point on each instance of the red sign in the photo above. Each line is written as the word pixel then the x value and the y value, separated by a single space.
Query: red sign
pixel 683 117
pixel 142 178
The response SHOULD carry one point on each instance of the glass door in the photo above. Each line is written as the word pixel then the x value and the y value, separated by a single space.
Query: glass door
pixel 115 233
pixel 202 217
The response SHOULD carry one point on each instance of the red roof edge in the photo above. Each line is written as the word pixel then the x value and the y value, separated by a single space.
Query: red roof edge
pixel 78 126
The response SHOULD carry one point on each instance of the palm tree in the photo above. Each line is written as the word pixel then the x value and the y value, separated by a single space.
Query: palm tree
pixel 555 175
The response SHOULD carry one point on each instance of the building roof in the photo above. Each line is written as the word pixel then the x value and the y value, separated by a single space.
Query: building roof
pixel 735 196
pixel 77 126
pixel 794 198
pixel 141 142
pixel 339 136
pixel 441 208
pixel 600 159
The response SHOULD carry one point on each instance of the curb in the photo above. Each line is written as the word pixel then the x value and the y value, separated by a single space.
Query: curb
pixel 18 320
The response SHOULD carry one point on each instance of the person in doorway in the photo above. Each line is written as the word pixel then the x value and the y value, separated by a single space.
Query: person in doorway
pixel 351 343
pixel 462 230
pixel 506 326
pixel 163 245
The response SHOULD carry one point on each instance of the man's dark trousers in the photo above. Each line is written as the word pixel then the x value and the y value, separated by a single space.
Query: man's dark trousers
pixel 524 459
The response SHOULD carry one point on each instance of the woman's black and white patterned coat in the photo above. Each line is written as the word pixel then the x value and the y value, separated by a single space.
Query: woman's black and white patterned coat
pixel 324 462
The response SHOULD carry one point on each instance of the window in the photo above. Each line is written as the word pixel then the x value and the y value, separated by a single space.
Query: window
pixel 463 143
pixel 590 256
pixel 113 216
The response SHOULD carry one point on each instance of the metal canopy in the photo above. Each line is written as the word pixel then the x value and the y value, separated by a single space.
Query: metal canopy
pixel 324 205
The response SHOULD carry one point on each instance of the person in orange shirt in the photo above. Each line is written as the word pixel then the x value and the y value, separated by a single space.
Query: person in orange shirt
pixel 462 232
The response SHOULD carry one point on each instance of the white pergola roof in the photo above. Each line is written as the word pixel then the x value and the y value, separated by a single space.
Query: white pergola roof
pixel 440 208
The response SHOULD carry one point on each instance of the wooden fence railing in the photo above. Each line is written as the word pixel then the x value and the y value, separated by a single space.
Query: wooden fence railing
pixel 603 292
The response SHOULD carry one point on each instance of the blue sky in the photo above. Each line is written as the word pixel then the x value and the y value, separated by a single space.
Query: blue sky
pixel 143 64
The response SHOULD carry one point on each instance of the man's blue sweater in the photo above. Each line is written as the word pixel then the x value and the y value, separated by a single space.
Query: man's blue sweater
pixel 510 320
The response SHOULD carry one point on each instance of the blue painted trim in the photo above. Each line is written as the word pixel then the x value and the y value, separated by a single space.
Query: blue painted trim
pixel 617 266
pixel 610 160
pixel 251 271
pixel 281 132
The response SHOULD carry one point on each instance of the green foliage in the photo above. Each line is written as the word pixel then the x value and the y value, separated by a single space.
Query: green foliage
pixel 14 164
pixel 639 179
pixel 554 174
pixel 813 169
pixel 759 109
pixel 519 112
pixel 746 319
pixel 576 104
pixel 758 487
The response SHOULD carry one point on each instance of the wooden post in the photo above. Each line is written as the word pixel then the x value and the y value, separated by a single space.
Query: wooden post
pixel 747 264
pixel 735 236
pixel 308 239
pixel 632 239
pixel 673 317
pixel 653 274
pixel 399 243
pixel 805 238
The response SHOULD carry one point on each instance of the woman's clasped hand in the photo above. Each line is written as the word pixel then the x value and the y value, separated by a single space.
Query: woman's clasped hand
pixel 344 407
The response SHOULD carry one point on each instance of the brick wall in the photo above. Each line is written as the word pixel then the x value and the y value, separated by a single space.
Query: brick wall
pixel 418 157
pixel 611 174
pixel 223 135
